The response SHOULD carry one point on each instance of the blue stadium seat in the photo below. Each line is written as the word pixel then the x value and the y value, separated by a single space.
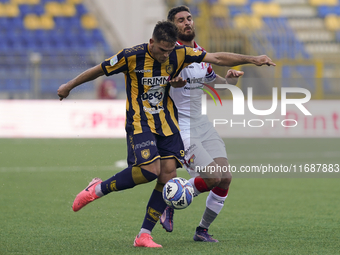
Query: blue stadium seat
pixel 81 10
pixel 324 10
pixel 239 9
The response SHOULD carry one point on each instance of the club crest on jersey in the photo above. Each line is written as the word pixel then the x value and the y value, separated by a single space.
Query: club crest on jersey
pixel 169 68
pixel 145 153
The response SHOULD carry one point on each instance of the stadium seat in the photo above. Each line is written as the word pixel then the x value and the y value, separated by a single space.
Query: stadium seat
pixel 332 22
pixel 9 10
pixel 54 9
pixel 248 22
pixel 263 9
pixel 88 21
pixel 324 2
pixel 233 2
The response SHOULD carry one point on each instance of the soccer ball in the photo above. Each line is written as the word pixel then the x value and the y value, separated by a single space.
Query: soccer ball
pixel 178 193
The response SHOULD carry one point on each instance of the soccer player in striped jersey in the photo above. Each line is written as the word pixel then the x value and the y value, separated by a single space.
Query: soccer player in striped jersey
pixel 203 146
pixel 155 147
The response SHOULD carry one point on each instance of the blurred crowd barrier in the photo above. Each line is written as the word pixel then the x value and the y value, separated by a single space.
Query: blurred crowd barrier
pixel 106 119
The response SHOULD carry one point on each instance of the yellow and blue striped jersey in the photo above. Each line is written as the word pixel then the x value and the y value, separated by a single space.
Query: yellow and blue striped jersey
pixel 148 104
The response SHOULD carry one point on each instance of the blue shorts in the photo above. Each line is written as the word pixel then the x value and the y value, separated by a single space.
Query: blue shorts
pixel 145 148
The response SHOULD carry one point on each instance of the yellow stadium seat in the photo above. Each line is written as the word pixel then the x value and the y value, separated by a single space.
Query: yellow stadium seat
pixel 53 9
pixel 264 9
pixel 220 11
pixel 32 2
pixel 2 10
pixel 256 22
pixel 187 2
pixel 324 2
pixel 74 1
pixel 18 1
pixel 240 21
pixel 32 22
pixel 88 21
pixel 233 2
pixel 332 22
pixel 11 10
pixel 274 9
pixel 46 22
pixel 243 21
pixel 68 10
pixel 26 1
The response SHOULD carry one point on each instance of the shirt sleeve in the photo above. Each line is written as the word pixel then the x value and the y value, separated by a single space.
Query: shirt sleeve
pixel 210 76
pixel 115 64
pixel 193 55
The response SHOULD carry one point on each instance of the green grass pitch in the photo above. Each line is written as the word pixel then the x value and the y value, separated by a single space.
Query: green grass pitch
pixel 264 214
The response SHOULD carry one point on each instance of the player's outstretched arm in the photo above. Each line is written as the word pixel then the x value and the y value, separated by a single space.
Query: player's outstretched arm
pixel 233 59
pixel 88 75
pixel 230 78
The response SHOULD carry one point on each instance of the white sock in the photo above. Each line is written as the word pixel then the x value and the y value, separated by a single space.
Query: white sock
pixel 98 190
pixel 144 230
pixel 215 202
pixel 214 205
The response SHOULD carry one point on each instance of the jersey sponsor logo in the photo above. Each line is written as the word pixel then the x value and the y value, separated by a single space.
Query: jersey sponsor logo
pixel 154 110
pixel 145 153
pixel 142 71
pixel 114 60
pixel 154 95
pixel 144 144
pixel 169 68
pixel 195 80
pixel 191 147
pixel 155 81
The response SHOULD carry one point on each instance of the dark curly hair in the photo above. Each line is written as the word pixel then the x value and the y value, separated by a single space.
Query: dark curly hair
pixel 172 13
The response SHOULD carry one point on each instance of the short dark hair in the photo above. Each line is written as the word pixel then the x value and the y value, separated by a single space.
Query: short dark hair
pixel 172 13
pixel 165 31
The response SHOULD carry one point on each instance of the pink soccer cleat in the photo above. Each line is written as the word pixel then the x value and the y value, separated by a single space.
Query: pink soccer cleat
pixel 145 240
pixel 86 196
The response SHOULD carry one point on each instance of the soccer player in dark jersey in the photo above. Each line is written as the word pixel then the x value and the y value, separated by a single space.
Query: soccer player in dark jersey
pixel 155 147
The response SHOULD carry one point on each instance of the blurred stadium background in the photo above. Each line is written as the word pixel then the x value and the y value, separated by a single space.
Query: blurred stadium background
pixel 44 43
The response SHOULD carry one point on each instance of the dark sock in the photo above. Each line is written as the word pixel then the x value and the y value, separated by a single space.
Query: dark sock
pixel 155 208
pixel 127 179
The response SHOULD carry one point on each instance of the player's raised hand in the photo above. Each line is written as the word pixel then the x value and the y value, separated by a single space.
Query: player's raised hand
pixel 263 60
pixel 233 75
pixel 177 82
pixel 63 91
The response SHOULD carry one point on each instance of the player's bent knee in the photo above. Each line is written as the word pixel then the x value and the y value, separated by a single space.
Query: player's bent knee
pixel 154 167
pixel 212 182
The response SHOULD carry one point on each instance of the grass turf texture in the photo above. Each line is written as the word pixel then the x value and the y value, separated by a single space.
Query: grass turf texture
pixel 39 179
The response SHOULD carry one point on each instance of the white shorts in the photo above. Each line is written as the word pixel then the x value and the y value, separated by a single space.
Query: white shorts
pixel 202 144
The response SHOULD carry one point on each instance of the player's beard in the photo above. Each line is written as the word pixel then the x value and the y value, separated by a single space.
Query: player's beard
pixel 186 37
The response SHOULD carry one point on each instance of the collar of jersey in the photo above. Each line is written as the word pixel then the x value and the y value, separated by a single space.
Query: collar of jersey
pixel 179 43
